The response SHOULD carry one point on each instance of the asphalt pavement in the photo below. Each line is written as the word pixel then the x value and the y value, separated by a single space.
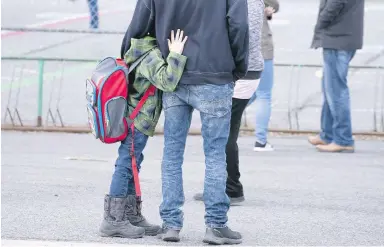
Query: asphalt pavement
pixel 53 187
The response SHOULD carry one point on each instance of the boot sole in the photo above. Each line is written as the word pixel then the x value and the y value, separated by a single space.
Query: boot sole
pixel 151 232
pixel 168 239
pixel 171 239
pixel 221 241
pixel 118 235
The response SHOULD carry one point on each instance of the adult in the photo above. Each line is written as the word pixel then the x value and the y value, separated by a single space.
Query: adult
pixel 244 89
pixel 263 94
pixel 339 31
pixel 217 51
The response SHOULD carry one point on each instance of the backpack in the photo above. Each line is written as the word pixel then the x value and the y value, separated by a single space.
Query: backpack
pixel 106 93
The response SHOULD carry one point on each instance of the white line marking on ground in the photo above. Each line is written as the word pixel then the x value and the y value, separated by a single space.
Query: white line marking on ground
pixel 33 243
pixel 85 159
pixel 52 15
pixel 64 20
pixel 319 73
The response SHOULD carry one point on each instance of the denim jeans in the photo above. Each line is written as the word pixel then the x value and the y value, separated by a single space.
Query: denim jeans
pixel 122 183
pixel 94 13
pixel 214 104
pixel 336 112
pixel 263 97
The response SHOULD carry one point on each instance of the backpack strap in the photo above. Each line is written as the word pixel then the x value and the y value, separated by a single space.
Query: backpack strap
pixel 149 92
pixel 135 171
pixel 133 66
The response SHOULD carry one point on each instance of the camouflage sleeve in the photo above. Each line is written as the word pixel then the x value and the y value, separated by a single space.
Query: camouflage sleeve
pixel 165 75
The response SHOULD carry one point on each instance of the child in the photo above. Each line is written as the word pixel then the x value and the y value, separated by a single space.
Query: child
pixel 122 209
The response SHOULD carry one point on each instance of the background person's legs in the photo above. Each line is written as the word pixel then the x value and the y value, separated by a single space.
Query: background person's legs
pixel 263 98
pixel 94 14
pixel 336 65
pixel 326 133
pixel 234 187
pixel 343 125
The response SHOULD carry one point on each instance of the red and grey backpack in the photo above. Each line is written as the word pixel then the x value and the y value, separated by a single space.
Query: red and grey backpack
pixel 106 93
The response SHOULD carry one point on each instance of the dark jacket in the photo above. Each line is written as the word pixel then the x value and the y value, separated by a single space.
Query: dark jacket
pixel 340 25
pixel 267 39
pixel 217 30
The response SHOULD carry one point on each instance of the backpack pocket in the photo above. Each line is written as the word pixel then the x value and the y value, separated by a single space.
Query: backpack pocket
pixel 93 121
pixel 115 121
pixel 91 92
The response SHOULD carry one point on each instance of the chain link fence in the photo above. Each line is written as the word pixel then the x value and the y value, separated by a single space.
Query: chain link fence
pixel 49 92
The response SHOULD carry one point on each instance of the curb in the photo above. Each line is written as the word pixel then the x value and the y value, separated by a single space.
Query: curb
pixel 160 131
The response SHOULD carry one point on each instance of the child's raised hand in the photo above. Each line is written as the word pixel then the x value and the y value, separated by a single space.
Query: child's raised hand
pixel 177 42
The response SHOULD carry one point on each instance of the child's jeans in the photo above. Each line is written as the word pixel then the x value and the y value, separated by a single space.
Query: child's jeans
pixel 122 183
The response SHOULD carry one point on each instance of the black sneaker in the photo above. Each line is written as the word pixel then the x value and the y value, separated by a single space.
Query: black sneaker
pixel 168 235
pixel 263 147
pixel 234 201
pixel 220 236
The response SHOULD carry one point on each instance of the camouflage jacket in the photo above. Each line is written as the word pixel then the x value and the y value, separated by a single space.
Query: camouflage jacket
pixel 163 74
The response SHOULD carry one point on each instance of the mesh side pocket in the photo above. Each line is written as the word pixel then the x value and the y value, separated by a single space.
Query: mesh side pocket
pixel 115 110
pixel 92 121
pixel 91 92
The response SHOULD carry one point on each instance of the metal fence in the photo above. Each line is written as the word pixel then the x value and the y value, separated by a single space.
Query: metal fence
pixel 303 98
pixel 50 92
